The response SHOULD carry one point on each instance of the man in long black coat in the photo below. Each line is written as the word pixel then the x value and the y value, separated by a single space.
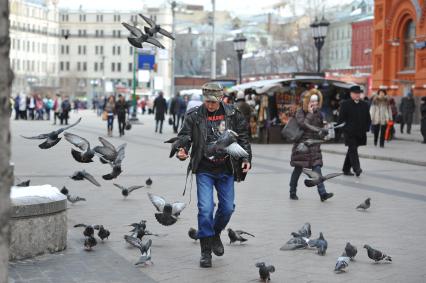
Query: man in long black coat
pixel 160 108
pixel 354 112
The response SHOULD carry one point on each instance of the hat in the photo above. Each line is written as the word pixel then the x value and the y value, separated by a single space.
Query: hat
pixel 212 91
pixel 240 94
pixel 355 89
pixel 313 97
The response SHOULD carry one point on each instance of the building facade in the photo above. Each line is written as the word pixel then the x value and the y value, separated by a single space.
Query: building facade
pixel 399 47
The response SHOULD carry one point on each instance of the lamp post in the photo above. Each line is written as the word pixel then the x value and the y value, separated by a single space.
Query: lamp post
pixel 134 117
pixel 239 46
pixel 319 33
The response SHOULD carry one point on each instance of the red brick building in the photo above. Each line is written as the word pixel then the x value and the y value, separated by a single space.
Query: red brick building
pixel 362 42
pixel 399 46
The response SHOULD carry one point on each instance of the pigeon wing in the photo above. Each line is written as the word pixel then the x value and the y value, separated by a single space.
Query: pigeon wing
pixel 134 42
pixel 106 143
pixel 133 30
pixel 155 42
pixel 90 178
pixel 67 127
pixel 236 151
pixel 314 128
pixel 132 188
pixel 78 141
pixel 332 175
pixel 119 186
pixel 311 174
pixel 177 207
pixel 150 22
pixel 241 232
pixel 166 33
pixel 133 241
pixel 157 201
pixel 39 137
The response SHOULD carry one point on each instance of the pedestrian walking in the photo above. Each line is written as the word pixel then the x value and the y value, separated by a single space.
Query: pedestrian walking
pixel 23 106
pixel 381 114
pixel 159 109
pixel 121 110
pixel 17 102
pixel 407 108
pixel 31 106
pixel 202 126
pixel 57 108
pixel 48 106
pixel 423 118
pixel 39 107
pixel 176 106
pixel 355 114
pixel 110 112
pixel 244 108
pixel 65 110
pixel 312 159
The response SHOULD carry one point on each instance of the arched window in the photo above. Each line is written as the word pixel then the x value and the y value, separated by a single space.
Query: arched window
pixel 409 49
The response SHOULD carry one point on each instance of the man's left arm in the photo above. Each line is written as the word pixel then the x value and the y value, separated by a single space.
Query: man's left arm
pixel 243 137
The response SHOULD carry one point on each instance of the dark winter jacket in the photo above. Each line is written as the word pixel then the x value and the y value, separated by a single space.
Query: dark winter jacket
pixel 195 128
pixel 423 119
pixel 160 108
pixel 313 157
pixel 407 106
pixel 121 108
pixel 357 119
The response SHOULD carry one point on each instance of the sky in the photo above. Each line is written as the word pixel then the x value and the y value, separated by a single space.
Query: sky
pixel 236 6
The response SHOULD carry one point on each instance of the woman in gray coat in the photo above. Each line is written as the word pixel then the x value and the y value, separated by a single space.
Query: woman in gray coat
pixel 312 157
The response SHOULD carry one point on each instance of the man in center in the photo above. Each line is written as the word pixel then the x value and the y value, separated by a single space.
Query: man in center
pixel 203 126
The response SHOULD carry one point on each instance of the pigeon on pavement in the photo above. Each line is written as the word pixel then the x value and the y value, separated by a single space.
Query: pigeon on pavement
pixel 193 234
pixel 126 191
pixel 148 182
pixel 265 271
pixel 342 263
pixel 365 205
pixel 305 231
pixel 81 175
pixel 294 244
pixel 89 243
pixel 84 156
pixel 317 178
pixel 74 199
pixel 350 251
pixel 88 231
pixel 167 212
pixel 377 255
pixel 103 233
pixel 24 183
pixel 320 244
pixel 52 138
pixel 235 236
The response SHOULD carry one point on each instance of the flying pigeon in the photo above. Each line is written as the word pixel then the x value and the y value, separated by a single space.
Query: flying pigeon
pixel 365 205
pixel 107 152
pixel 148 182
pixel 177 143
pixel 305 231
pixel 320 244
pixel 236 235
pixel 295 244
pixel 24 183
pixel 323 131
pixel 81 175
pixel 167 213
pixel 154 28
pixel 103 233
pixel 317 178
pixel 84 156
pixel 193 234
pixel 226 143
pixel 376 255
pixel 265 271
pixel 116 164
pixel 342 263
pixel 51 138
pixel 138 37
pixel 126 191
pixel 137 226
pixel 145 249
pixel 350 251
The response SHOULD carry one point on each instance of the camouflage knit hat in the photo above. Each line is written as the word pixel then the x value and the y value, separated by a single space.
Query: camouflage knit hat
pixel 212 91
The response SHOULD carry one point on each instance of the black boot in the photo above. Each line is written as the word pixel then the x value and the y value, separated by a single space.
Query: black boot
pixel 293 195
pixel 326 196
pixel 217 246
pixel 206 252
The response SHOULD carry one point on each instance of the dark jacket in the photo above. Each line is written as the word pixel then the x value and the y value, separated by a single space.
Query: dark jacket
pixel 121 108
pixel 244 108
pixel 357 119
pixel 407 106
pixel 160 108
pixel 177 106
pixel 423 120
pixel 194 128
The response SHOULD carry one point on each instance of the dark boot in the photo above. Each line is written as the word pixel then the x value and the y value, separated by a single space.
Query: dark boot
pixel 206 252
pixel 293 195
pixel 326 196
pixel 217 246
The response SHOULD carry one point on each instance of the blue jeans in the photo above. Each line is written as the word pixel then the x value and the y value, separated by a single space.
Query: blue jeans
pixel 224 184
pixel 295 178
pixel 110 121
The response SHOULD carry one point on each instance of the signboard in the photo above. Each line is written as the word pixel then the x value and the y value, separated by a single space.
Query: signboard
pixel 144 76
pixel 146 61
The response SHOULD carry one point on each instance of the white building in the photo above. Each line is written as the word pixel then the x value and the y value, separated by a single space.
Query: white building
pixel 34 36
pixel 81 53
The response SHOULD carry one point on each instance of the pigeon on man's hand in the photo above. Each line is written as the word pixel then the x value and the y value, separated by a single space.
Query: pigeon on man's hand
pixel 81 175
pixel 178 143
pixel 365 205
pixel 377 255
pixel 265 271
pixel 317 178
pixel 167 212
pixel 342 263
pixel 235 236
pixel 125 191
pixel 52 138
pixel 227 143
pixel 350 251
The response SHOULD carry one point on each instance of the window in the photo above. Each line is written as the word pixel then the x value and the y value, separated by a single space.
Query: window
pixel 130 50
pixel 118 50
pixel 61 66
pixel 84 66
pixel 79 49
pixel 67 49
pixel 101 50
pixel 68 66
pixel 117 18
pixel 99 18
pixel 112 67
pixel 130 69
pixel 78 66
pixel 95 67
pixel 82 18
pixel 118 33
pixel 101 66
pixel 113 50
pixel 118 67
pixel 409 52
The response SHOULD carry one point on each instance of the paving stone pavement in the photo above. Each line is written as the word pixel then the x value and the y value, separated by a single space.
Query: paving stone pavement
pixel 393 224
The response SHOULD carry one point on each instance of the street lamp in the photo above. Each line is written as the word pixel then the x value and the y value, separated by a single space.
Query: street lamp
pixel 239 46
pixel 134 117
pixel 319 33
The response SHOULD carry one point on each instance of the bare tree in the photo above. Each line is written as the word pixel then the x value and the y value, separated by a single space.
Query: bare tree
pixel 6 174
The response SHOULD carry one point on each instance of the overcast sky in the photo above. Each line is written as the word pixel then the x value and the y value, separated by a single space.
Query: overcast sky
pixel 236 6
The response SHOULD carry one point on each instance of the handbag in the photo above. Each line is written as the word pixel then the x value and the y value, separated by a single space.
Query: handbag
pixel 292 132
pixel 170 121
pixel 104 115
pixel 128 126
